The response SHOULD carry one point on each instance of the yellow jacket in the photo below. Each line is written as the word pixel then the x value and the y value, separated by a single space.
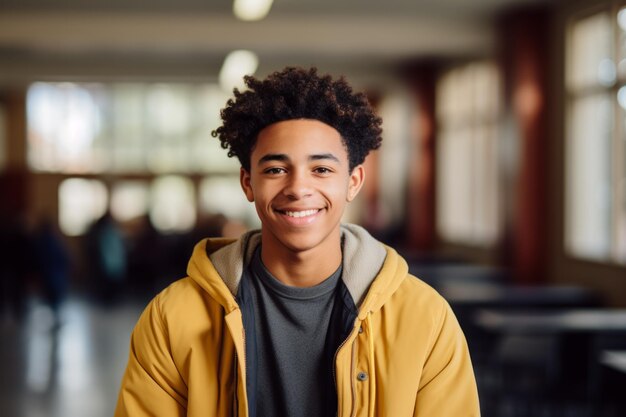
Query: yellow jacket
pixel 406 355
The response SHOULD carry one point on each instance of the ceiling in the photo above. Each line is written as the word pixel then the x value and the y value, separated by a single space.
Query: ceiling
pixel 190 38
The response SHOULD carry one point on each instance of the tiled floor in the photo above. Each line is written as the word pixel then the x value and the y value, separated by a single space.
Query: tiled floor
pixel 67 370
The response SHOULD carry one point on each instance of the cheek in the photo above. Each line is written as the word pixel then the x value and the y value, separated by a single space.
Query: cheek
pixel 261 209
pixel 263 196
pixel 339 193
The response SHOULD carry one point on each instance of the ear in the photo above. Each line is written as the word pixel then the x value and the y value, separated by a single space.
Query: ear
pixel 245 180
pixel 357 178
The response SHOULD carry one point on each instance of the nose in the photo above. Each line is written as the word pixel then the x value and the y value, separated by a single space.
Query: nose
pixel 298 185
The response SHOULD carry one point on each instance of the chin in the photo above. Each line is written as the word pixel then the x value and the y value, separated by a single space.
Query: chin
pixel 302 244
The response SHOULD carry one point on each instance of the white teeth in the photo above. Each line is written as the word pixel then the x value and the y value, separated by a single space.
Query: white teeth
pixel 301 213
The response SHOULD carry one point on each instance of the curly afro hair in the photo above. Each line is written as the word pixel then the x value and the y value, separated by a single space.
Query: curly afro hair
pixel 297 93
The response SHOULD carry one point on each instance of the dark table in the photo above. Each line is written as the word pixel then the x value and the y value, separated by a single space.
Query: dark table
pixel 553 321
pixel 509 296
pixel 570 345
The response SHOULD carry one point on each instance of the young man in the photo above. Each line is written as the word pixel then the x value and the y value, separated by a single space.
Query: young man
pixel 306 317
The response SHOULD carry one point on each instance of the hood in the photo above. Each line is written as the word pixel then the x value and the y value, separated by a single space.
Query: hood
pixel 217 266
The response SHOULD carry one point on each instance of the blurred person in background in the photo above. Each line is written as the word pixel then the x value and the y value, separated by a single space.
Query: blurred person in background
pixel 307 316
pixel 147 258
pixel 17 244
pixel 53 264
pixel 106 258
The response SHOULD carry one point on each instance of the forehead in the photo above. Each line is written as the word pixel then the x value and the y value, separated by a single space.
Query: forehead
pixel 299 138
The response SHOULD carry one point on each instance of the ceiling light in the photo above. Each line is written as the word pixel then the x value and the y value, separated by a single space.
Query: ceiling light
pixel 235 66
pixel 251 9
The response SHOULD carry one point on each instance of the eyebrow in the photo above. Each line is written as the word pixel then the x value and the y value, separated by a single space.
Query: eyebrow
pixel 273 157
pixel 283 157
pixel 322 156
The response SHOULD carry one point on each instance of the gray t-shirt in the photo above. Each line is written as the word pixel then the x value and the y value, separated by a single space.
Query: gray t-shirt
pixel 295 362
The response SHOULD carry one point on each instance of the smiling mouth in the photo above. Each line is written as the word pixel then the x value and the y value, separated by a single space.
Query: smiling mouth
pixel 302 213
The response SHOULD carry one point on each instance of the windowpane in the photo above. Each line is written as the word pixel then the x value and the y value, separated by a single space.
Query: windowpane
pixel 590 59
pixel 621 24
pixel 81 202
pixel 169 125
pixel 485 194
pixel 63 121
pixel 588 231
pixel 596 148
pixel 396 110
pixel 467 169
pixel 620 250
pixel 125 127
pixel 485 90
pixel 455 96
pixel 454 185
pixel 208 155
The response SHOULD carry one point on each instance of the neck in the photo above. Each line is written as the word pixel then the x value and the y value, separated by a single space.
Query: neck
pixel 302 268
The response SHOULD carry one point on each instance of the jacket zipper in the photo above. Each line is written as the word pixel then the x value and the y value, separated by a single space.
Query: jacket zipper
pixel 245 364
pixel 352 389
pixel 243 334
pixel 236 396
pixel 351 371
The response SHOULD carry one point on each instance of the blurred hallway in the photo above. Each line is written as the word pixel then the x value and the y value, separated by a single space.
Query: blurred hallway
pixel 70 369
pixel 501 179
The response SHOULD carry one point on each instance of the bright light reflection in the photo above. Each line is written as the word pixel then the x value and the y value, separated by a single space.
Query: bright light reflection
pixel 129 199
pixel 63 121
pixel 168 109
pixel 606 72
pixel 621 97
pixel 251 9
pixel 621 67
pixel 40 350
pixel 236 65
pixel 231 201
pixel 81 202
pixel 172 204
pixel 621 19
pixel 75 369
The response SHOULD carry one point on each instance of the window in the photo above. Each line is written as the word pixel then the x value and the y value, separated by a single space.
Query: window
pixel 63 129
pixel 595 177
pixel 125 128
pixel 467 174
pixel 396 110
pixel 158 132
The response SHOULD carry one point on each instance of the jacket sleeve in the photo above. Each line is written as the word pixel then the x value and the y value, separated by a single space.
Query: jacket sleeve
pixel 447 386
pixel 152 385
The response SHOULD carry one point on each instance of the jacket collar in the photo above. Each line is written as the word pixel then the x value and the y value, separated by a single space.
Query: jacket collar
pixel 217 266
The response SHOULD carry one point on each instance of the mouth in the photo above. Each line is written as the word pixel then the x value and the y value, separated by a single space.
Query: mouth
pixel 300 213
pixel 301 217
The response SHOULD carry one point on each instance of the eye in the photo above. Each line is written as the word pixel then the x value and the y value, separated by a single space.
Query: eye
pixel 274 171
pixel 322 170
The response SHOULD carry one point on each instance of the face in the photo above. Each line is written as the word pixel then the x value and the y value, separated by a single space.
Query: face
pixel 300 183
